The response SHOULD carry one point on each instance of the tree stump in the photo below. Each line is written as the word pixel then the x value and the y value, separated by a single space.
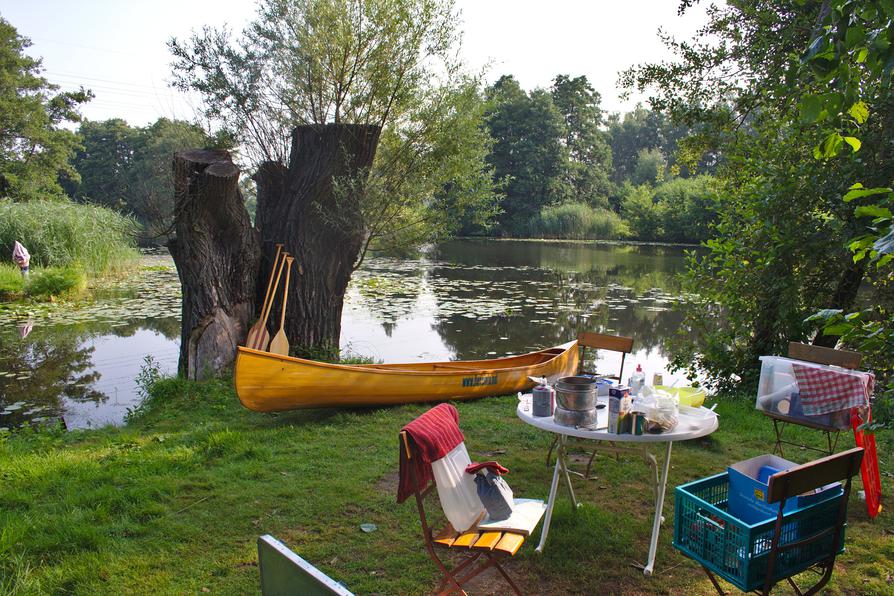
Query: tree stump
pixel 217 254
pixel 313 208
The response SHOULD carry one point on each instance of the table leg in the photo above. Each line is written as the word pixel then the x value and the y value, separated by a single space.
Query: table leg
pixel 561 456
pixel 551 501
pixel 659 506
pixel 653 464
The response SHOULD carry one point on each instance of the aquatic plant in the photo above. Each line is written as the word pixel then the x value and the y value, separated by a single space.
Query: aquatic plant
pixel 65 234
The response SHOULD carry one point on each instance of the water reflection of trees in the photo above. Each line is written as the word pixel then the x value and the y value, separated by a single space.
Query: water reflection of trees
pixel 548 307
pixel 56 366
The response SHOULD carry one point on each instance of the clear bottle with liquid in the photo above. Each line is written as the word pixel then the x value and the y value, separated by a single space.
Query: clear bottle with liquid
pixel 637 380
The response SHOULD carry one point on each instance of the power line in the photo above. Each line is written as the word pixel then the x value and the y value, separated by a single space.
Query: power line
pixel 77 45
pixel 78 76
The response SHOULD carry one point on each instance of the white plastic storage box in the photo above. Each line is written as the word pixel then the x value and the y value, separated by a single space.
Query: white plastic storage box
pixel 748 484
pixel 778 392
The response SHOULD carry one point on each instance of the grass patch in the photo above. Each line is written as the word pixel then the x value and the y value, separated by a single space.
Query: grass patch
pixel 95 239
pixel 175 501
pixel 12 284
pixel 56 282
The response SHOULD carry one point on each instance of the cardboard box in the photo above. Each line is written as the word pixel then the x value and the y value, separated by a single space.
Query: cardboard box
pixel 748 488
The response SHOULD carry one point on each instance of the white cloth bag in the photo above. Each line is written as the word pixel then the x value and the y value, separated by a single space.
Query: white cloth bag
pixel 456 489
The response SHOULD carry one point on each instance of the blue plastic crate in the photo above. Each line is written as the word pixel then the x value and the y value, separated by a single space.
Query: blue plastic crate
pixel 738 551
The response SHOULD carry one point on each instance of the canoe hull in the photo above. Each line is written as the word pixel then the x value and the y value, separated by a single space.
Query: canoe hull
pixel 268 382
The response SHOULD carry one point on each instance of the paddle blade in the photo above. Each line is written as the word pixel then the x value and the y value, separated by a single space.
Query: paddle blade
pixel 258 337
pixel 280 344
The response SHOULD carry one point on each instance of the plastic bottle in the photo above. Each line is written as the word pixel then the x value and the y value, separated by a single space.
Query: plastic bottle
pixel 637 380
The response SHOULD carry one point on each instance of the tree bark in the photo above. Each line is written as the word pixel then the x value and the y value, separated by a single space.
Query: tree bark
pixel 313 208
pixel 217 254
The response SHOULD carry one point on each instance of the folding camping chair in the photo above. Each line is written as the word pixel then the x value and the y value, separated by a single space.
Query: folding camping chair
pixel 493 546
pixel 820 355
pixel 790 551
pixel 597 341
pixel 284 573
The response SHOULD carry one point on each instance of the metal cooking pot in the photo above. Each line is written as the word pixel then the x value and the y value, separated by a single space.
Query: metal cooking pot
pixel 575 417
pixel 576 393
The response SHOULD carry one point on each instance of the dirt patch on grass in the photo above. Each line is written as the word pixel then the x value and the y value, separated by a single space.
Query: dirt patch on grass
pixel 387 484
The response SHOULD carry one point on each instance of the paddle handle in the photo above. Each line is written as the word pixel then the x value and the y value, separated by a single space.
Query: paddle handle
pixel 285 293
pixel 282 263
pixel 267 296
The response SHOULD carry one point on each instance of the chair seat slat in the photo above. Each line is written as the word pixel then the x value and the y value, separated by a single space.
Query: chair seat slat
pixel 466 539
pixel 487 541
pixel 510 543
pixel 446 536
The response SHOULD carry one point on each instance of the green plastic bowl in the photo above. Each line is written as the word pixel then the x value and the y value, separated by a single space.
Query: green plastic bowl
pixel 689 396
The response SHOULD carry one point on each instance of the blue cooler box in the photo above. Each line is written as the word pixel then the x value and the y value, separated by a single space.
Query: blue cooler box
pixel 748 484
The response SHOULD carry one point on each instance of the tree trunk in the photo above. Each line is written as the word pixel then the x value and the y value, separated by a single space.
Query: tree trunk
pixel 217 255
pixel 313 208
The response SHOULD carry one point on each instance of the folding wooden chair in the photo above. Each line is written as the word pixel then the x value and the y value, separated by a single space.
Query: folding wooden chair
pixel 597 341
pixel 284 573
pixel 492 547
pixel 815 550
pixel 820 355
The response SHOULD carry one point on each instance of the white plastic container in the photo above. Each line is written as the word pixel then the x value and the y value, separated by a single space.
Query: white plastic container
pixel 778 392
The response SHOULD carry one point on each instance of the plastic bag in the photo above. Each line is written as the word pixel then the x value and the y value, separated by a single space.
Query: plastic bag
pixel 456 489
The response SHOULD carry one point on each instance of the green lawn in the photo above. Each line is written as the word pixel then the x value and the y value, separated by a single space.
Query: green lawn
pixel 174 502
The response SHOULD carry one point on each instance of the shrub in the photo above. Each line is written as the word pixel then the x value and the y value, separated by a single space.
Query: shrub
pixel 690 206
pixel 578 221
pixel 645 216
pixel 64 234
pixel 680 210
pixel 56 281
pixel 11 282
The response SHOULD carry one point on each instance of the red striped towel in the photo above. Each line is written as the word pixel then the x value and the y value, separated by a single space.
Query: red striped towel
pixel 432 436
pixel 823 390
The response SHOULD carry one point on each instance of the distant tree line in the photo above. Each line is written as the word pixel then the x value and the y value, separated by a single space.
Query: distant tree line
pixel 569 170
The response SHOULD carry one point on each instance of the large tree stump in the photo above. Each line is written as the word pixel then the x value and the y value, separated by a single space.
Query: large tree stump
pixel 313 208
pixel 217 254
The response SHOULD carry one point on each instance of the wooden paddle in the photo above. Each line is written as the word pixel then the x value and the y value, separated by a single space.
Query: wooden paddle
pixel 262 345
pixel 280 343
pixel 258 334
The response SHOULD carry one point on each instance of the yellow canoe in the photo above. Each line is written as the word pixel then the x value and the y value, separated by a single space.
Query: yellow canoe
pixel 268 382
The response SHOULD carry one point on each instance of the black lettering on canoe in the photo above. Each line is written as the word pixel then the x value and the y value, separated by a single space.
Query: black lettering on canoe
pixel 478 381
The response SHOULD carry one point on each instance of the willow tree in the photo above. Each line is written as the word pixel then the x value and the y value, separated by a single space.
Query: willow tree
pixel 362 128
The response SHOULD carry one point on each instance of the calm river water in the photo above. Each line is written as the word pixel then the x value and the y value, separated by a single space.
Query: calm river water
pixel 466 299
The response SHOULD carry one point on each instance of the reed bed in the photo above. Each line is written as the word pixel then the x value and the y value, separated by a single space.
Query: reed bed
pixel 95 239
pixel 578 221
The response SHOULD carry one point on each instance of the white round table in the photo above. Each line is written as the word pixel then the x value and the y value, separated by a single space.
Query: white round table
pixel 700 424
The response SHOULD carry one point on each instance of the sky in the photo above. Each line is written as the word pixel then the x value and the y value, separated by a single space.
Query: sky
pixel 117 47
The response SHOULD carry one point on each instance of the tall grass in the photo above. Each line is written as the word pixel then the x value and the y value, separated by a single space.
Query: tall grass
pixel 578 221
pixel 11 282
pixel 66 234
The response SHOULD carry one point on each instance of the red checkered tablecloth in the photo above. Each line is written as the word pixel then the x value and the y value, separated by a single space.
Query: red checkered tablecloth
pixel 824 391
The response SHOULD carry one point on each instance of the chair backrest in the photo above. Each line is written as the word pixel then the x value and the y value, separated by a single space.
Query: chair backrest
pixel 814 474
pixel 800 479
pixel 284 573
pixel 821 355
pixel 599 341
